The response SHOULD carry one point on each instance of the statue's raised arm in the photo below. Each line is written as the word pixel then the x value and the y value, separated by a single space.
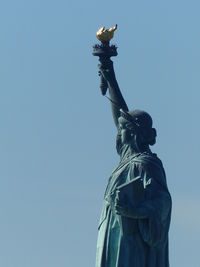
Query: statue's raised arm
pixel 117 100
pixel 106 71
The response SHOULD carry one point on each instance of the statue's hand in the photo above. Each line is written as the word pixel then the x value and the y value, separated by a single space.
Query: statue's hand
pixel 124 211
pixel 127 211
pixel 106 70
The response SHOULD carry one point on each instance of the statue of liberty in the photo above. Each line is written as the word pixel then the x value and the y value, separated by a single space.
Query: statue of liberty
pixel 135 219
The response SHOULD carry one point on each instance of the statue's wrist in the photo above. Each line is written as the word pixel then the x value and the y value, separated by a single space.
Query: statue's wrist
pixel 108 75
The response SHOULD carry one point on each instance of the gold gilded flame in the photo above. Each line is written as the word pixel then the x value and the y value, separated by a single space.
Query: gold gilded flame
pixel 105 35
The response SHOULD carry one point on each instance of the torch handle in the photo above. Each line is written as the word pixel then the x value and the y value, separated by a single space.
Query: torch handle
pixel 103 85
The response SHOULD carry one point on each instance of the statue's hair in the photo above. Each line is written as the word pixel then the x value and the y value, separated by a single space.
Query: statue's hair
pixel 141 123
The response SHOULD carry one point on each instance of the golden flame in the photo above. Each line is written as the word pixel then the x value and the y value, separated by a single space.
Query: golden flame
pixel 105 35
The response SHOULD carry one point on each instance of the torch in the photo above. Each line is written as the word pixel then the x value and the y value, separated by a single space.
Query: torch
pixel 105 51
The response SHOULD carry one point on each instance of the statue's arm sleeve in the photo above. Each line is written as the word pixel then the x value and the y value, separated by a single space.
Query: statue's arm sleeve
pixel 117 100
pixel 154 228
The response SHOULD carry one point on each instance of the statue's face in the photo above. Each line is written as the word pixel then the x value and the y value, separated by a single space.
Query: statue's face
pixel 125 132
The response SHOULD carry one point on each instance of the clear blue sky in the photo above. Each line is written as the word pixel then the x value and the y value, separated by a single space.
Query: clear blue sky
pixel 57 139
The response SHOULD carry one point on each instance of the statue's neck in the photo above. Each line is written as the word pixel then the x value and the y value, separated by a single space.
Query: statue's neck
pixel 128 152
pixel 132 150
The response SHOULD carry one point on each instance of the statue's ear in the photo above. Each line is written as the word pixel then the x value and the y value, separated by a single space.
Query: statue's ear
pixel 129 126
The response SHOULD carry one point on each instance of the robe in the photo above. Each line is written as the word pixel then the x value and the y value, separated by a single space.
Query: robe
pixel 142 242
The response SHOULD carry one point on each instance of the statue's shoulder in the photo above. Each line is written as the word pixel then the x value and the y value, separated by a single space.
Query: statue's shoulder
pixel 148 157
pixel 148 161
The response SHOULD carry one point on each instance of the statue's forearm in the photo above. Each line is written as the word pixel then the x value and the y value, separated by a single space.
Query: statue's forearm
pixel 133 213
pixel 117 99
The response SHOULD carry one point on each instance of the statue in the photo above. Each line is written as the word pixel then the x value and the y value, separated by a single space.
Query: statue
pixel 135 219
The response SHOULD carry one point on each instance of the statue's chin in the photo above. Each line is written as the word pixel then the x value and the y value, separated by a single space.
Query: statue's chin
pixel 123 140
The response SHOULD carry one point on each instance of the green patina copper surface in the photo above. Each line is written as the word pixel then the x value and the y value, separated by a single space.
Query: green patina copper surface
pixel 135 218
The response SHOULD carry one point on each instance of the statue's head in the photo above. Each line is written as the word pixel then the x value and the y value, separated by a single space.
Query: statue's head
pixel 136 128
